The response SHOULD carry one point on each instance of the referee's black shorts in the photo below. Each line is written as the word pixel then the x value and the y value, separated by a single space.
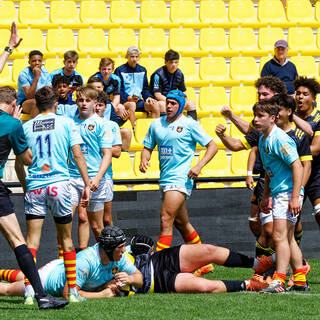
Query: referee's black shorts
pixel 258 192
pixel 312 189
pixel 166 265
pixel 6 205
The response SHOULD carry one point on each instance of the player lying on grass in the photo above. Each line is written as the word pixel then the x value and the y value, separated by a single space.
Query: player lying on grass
pixel 169 270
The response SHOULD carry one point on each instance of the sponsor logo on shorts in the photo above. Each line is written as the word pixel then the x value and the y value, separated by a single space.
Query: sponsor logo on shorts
pixel 43 125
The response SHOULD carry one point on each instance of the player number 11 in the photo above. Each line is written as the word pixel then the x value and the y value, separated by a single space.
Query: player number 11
pixel 46 141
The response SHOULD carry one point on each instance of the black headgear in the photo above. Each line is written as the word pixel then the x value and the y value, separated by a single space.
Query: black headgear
pixel 110 238
pixel 141 244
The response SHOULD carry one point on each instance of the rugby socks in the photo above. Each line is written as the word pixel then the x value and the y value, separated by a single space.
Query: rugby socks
pixel 60 250
pixel 28 267
pixel 234 286
pixel 192 238
pixel 9 275
pixel 298 236
pixel 70 267
pixel 299 277
pixel 164 242
pixel 34 254
pixel 192 114
pixel 239 260
pixel 280 276
pixel 82 248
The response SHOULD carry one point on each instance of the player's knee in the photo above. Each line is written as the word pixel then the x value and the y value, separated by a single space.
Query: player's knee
pixel 166 219
pixel 127 134
pixel 255 227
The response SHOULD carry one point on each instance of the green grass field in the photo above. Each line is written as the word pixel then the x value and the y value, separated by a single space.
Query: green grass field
pixel 186 306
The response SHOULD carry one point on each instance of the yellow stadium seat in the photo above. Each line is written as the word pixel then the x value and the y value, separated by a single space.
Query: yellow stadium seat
pixel 120 61
pixel 306 66
pixel 263 61
pixel 87 67
pixel 153 41
pixel 122 167
pixel 92 42
pixel 243 40
pixel 184 41
pixel 52 64
pixel 184 13
pixel 120 187
pixel 141 129
pixel 153 171
pixel 94 14
pixel 64 14
pixel 301 40
pixel 300 13
pixel 32 38
pixel 120 40
pixel 17 66
pixel 154 13
pixel 151 64
pixel 217 167
pixel 33 14
pixel 239 162
pixel 318 38
pixel 267 38
pixel 239 184
pixel 5 77
pixel 215 70
pixel 8 13
pixel 242 13
pixel 145 187
pixel 317 12
pixel 211 100
pixel 59 41
pixel 209 125
pixel 210 185
pixel 214 41
pixel 244 69
pixel 271 13
pixel 242 100
pixel 4 39
pixel 124 13
pixel 191 95
pixel 190 71
pixel 214 13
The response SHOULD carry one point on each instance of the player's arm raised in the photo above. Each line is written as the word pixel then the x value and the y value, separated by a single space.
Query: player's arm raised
pixel 145 158
pixel 241 124
pixel 303 125
pixel 231 143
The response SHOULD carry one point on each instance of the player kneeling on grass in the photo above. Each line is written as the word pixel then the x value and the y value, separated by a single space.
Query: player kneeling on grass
pixel 283 182
pixel 96 265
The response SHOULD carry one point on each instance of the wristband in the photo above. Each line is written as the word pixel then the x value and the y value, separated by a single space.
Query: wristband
pixel 8 49
pixel 249 173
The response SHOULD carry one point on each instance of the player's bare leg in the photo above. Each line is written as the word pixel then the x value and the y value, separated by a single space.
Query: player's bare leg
pixel 14 289
pixel 34 230
pixel 83 228
pixel 191 109
pixel 10 228
pixel 154 108
pixel 316 204
pixel 29 107
pixel 131 107
pixel 254 221
pixel 126 136
pixel 182 222
pixel 107 217
pixel 96 222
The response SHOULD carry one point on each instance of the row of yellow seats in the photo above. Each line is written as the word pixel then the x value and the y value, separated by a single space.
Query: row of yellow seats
pixel 209 124
pixel 154 42
pixel 211 70
pixel 217 167
pixel 155 13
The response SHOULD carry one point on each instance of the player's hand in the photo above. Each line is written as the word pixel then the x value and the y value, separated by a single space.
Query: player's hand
pixel 151 101
pixel 135 98
pixel 250 182
pixel 194 172
pixel 14 39
pixel 122 279
pixel 143 167
pixel 109 292
pixel 17 112
pixel 36 72
pixel 226 111
pixel 85 197
pixel 265 205
pixel 94 183
pixel 220 129
pixel 294 206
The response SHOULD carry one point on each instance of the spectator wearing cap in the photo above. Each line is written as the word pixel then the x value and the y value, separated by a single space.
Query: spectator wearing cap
pixel 134 85
pixel 279 66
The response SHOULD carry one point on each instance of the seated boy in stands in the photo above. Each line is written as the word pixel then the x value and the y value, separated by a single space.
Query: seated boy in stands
pixel 170 77
pixel 31 79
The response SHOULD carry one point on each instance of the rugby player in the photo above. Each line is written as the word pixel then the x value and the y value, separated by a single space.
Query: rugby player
pixel 176 137
pixel 283 181
pixel 47 186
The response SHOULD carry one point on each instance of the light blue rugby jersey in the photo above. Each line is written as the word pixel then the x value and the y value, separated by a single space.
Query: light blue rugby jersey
pixel 95 136
pixel 67 110
pixel 90 271
pixel 50 138
pixel 277 152
pixel 116 141
pixel 176 146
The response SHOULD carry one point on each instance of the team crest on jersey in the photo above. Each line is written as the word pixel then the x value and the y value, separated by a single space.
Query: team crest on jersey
pixel 114 270
pixel 285 150
pixel 91 127
pixel 179 129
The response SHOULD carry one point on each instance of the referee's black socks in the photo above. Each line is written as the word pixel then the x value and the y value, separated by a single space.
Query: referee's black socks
pixel 239 260
pixel 234 286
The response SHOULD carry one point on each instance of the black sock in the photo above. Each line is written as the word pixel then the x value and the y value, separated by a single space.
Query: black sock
pixel 192 114
pixel 163 114
pixel 239 260
pixel 234 286
pixel 28 267
pixel 298 236
pixel 261 250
